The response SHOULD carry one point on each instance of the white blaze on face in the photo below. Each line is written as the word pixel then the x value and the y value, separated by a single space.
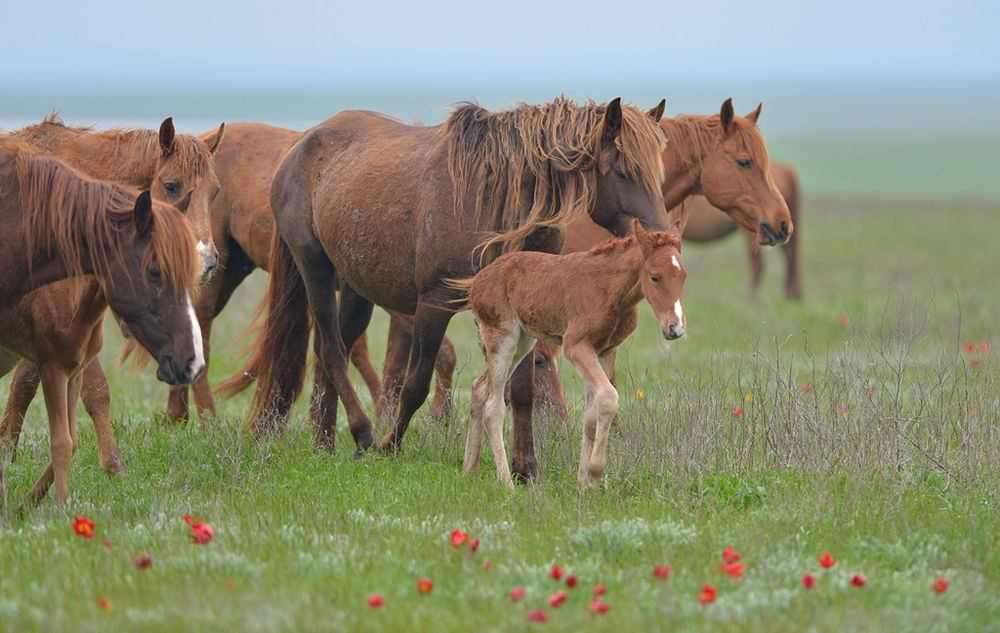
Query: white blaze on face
pixel 199 347
pixel 204 249
pixel 679 311
pixel 677 264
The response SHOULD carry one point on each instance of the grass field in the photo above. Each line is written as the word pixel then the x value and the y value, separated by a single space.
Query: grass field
pixel 888 462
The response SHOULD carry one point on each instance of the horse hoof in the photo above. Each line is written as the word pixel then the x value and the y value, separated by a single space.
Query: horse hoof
pixel 115 466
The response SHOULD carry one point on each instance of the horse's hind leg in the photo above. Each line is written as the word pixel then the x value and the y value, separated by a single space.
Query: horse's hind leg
pixel 23 386
pixel 96 397
pixel 444 370
pixel 474 440
pixel 362 361
pixel 397 355
pixel 504 349
pixel 522 395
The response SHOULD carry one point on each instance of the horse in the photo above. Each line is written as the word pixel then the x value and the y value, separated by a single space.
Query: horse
pixel 55 224
pixel 177 170
pixel 393 210
pixel 587 302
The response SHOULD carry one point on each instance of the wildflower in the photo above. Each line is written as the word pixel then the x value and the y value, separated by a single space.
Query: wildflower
pixel 424 586
pixel 142 562
pixel 106 543
pixel 556 572
pixel 735 570
pixel 538 615
pixel 940 585
pixel 737 412
pixel 600 590
pixel 104 604
pixel 983 347
pixel 473 545
pixel 458 538
pixel 730 556
pixel 598 607
pixel 517 594
pixel 639 394
pixel 843 409
pixel 201 533
pixel 806 388
pixel 826 560
pixel 487 566
pixel 859 580
pixel 970 347
pixel 661 571
pixel 749 398
pixel 707 595
pixel 83 527
pixel 844 321
pixel 976 362
pixel 375 601
pixel 558 598
pixel 808 581
pixel 230 584
pixel 571 581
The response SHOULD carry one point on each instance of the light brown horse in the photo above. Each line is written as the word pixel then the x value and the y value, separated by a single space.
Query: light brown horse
pixel 394 210
pixel 176 169
pixel 586 302
pixel 56 224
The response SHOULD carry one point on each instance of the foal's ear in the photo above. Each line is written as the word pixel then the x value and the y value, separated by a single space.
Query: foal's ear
pixel 755 114
pixel 142 214
pixel 642 237
pixel 726 114
pixel 657 112
pixel 167 135
pixel 678 217
pixel 213 139
pixel 612 125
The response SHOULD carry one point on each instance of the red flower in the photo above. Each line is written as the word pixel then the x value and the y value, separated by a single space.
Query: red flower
pixel 487 566
pixel 737 412
pixel 735 570
pixel 976 362
pixel 983 347
pixel 424 586
pixel 598 607
pixel 473 545
pixel 707 595
pixel 859 580
pixel 558 598
pixel 941 585
pixel 142 562
pixel 826 560
pixel 600 590
pixel 844 321
pixel 571 581
pixel 970 347
pixel 661 571
pixel 806 388
pixel 808 581
pixel 375 601
pixel 83 527
pixel 730 556
pixel 201 533
pixel 104 604
pixel 107 544
pixel 538 615
pixel 517 593
pixel 556 572
pixel 458 538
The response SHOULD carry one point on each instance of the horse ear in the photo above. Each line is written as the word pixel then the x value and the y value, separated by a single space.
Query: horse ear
pixel 726 114
pixel 142 214
pixel 657 112
pixel 213 140
pixel 167 135
pixel 642 237
pixel 613 119
pixel 753 116
pixel 678 217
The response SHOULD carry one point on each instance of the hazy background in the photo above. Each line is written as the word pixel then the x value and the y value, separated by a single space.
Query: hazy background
pixel 869 99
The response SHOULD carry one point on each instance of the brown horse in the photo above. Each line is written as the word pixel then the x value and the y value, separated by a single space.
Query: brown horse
pixel 177 169
pixel 584 301
pixel 56 224
pixel 394 210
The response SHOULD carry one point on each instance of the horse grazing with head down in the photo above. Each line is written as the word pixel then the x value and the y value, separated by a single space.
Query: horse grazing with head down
pixel 586 302
pixel 56 224
pixel 395 210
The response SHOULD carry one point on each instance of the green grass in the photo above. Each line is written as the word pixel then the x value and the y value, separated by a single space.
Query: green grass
pixel 889 462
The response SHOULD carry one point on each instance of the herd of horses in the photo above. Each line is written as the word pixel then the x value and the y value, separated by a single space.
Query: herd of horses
pixel 363 210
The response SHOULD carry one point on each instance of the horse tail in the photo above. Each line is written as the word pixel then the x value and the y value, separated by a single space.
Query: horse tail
pixel 279 358
pixel 141 358
pixel 460 303
pixel 242 379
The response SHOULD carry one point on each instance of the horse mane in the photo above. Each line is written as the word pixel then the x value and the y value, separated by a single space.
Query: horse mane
pixel 82 221
pixel 693 135
pixel 493 157
pixel 619 244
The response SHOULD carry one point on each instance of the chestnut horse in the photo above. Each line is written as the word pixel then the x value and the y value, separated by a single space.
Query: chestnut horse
pixel 177 169
pixel 584 301
pixel 55 224
pixel 394 210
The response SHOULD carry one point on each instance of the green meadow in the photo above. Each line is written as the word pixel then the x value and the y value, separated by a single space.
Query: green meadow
pixel 864 429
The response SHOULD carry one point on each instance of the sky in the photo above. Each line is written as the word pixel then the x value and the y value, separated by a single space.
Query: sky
pixel 101 45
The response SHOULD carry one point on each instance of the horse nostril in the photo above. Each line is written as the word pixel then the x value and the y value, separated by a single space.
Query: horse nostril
pixel 673 330
pixel 784 228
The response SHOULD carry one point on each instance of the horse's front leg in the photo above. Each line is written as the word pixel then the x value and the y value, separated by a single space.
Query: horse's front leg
pixel 594 372
pixel 55 388
pixel 23 386
pixel 522 396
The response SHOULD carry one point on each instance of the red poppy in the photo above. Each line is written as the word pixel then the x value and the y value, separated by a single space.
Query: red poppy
pixel 600 590
pixel 538 615
pixel 859 580
pixel 940 585
pixel 809 581
pixel 730 556
pixel 983 347
pixel 661 571
pixel 473 545
pixel 976 362
pixel 424 586
pixel 806 388
pixel 735 570
pixel 737 412
pixel 142 562
pixel 104 604
pixel 201 533
pixel 375 601
pixel 558 598
pixel 487 566
pixel 458 538
pixel 107 544
pixel 571 581
pixel 970 347
pixel 826 560
pixel 556 572
pixel 598 606
pixel 230 584
pixel 844 321
pixel 707 595
pixel 517 593
pixel 83 527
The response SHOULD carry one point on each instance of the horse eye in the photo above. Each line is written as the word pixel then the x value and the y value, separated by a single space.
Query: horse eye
pixel 172 188
pixel 539 361
pixel 154 274
pixel 622 175
pixel 654 278
pixel 744 163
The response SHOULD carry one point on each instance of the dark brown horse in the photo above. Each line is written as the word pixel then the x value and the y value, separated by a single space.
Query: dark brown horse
pixel 56 224
pixel 177 169
pixel 395 210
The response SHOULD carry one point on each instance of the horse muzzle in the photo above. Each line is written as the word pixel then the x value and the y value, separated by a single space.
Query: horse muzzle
pixel 175 374
pixel 673 332
pixel 769 236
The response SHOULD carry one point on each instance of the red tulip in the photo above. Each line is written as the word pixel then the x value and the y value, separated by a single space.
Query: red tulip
pixel 458 538
pixel 375 601
pixel 142 562
pixel 571 581
pixel 558 598
pixel 598 607
pixel 83 526
pixel 730 556
pixel 538 615
pixel 859 580
pixel 826 560
pixel 940 585
pixel 735 570
pixel 661 571
pixel 517 593
pixel 600 590
pixel 707 595
pixel 424 586
pixel 556 572
pixel 808 581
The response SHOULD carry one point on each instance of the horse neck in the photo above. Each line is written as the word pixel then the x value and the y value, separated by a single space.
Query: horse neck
pixel 682 164
pixel 127 157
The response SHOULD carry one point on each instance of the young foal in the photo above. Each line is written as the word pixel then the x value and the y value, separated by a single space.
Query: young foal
pixel 588 303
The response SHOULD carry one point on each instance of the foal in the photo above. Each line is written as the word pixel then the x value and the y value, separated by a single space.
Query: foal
pixel 587 302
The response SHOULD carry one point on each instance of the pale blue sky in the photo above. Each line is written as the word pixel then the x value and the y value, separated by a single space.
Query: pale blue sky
pixel 335 45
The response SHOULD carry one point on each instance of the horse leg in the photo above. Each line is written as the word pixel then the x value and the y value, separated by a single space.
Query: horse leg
pixel 793 281
pixel 23 386
pixel 756 263
pixel 204 404
pixel 504 351
pixel 363 363
pixel 429 325
pixel 549 395
pixel 595 370
pixel 97 401
pixel 474 439
pixel 397 356
pixel 522 396
pixel 55 389
pixel 444 370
